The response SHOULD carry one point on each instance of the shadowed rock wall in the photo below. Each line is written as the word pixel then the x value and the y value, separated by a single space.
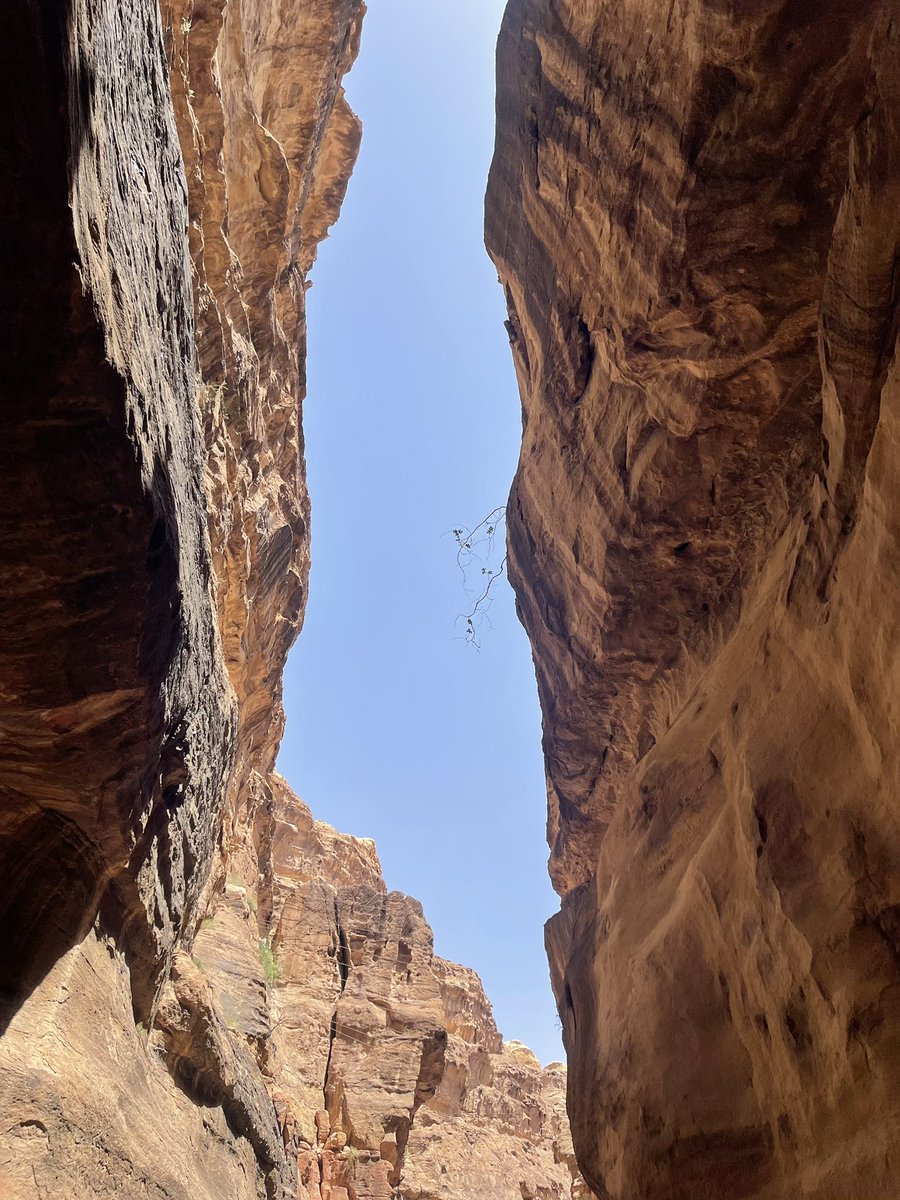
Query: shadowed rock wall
pixel 118 721
pixel 693 208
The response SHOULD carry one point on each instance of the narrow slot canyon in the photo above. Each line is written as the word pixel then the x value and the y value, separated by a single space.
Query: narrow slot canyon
pixel 207 991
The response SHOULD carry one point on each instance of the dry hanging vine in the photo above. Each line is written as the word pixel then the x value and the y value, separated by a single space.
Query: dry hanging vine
pixel 475 550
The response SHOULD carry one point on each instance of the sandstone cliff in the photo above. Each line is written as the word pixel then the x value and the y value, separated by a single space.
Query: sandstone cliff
pixel 388 1073
pixel 694 211
pixel 205 993
pixel 156 545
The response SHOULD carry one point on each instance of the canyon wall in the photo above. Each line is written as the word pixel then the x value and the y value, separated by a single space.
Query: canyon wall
pixel 388 1073
pixel 156 544
pixel 694 208
pixel 205 993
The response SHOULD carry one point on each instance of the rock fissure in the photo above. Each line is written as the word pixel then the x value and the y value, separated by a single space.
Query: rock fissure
pixel 343 949
pixel 332 1034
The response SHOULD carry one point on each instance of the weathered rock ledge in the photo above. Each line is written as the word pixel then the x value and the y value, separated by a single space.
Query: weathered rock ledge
pixel 694 209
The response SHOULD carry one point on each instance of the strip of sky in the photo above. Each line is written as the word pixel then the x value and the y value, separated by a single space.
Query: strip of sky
pixel 396 730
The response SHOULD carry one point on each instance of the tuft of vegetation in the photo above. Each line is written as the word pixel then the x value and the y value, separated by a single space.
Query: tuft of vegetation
pixel 271 969
pixel 207 922
pixel 199 963
pixel 141 1029
pixel 352 1157
pixel 185 24
pixel 251 903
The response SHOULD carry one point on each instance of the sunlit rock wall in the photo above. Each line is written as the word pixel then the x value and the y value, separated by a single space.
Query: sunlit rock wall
pixel 390 1076
pixel 694 211
pixel 269 142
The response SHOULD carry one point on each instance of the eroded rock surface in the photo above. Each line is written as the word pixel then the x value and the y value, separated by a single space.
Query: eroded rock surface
pixel 118 722
pixel 205 993
pixel 694 211
pixel 269 142
pixel 388 1070
pixel 140 666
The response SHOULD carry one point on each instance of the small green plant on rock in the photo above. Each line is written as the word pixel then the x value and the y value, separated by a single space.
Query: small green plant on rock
pixel 352 1156
pixel 271 969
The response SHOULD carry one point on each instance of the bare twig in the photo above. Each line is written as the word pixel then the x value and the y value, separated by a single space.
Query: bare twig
pixel 474 552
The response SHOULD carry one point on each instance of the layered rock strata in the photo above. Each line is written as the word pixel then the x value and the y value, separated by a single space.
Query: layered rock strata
pixel 694 211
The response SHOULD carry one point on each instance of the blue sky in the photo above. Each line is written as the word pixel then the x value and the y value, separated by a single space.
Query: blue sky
pixel 396 729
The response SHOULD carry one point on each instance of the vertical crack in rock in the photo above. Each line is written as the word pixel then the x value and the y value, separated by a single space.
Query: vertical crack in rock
pixel 342 960
pixel 343 948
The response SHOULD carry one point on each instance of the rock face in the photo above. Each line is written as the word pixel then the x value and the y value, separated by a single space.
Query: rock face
pixel 117 717
pixel 387 1069
pixel 205 993
pixel 694 211
pixel 269 142
pixel 155 553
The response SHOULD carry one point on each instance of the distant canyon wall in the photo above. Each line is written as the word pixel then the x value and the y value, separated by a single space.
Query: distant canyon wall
pixel 694 208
